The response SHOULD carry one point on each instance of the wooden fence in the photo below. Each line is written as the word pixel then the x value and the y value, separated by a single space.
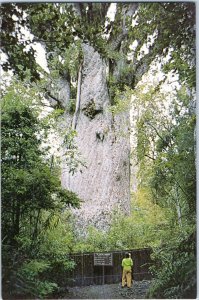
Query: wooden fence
pixel 92 269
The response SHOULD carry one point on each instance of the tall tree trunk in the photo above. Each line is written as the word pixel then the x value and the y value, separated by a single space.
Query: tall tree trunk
pixel 104 144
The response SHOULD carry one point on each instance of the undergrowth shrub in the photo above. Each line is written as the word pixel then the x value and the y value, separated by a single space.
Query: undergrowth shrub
pixel 31 279
pixel 174 271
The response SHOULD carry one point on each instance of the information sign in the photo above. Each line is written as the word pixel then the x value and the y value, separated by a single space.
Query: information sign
pixel 103 259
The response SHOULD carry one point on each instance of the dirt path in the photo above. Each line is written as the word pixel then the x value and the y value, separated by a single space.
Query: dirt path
pixel 110 291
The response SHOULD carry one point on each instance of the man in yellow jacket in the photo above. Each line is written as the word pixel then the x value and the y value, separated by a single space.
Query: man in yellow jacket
pixel 127 264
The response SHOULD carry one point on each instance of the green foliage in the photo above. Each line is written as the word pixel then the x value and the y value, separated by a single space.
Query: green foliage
pixel 32 202
pixel 72 156
pixel 95 241
pixel 163 27
pixel 71 106
pixel 31 281
pixel 33 268
pixel 57 238
pixel 166 161
pixel 121 101
pixel 166 146
pixel 13 19
pixel 175 269
pixel 144 227
pixel 54 242
pixel 174 29
pixel 73 57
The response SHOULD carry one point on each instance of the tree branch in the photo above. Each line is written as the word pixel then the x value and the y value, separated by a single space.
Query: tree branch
pixel 148 123
pixel 149 156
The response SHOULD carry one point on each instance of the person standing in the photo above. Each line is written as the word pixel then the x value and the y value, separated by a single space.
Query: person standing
pixel 127 264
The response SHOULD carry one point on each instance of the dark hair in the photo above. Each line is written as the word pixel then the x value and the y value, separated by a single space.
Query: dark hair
pixel 126 255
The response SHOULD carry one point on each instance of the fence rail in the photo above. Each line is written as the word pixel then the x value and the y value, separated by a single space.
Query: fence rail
pixel 87 273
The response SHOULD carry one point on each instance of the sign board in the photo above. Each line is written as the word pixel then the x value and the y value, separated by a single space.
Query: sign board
pixel 103 259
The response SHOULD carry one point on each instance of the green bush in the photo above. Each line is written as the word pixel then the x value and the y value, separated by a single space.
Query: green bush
pixel 174 271
pixel 71 106
pixel 27 279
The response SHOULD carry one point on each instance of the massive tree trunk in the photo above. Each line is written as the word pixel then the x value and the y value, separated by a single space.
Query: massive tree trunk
pixel 103 141
pixel 102 138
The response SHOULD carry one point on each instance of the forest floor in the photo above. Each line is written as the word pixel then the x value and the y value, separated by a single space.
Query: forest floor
pixel 110 291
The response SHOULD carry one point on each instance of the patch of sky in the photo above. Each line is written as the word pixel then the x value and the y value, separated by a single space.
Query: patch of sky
pixel 110 17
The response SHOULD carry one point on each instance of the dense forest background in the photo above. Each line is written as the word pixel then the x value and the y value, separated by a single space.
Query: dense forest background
pixel 149 49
